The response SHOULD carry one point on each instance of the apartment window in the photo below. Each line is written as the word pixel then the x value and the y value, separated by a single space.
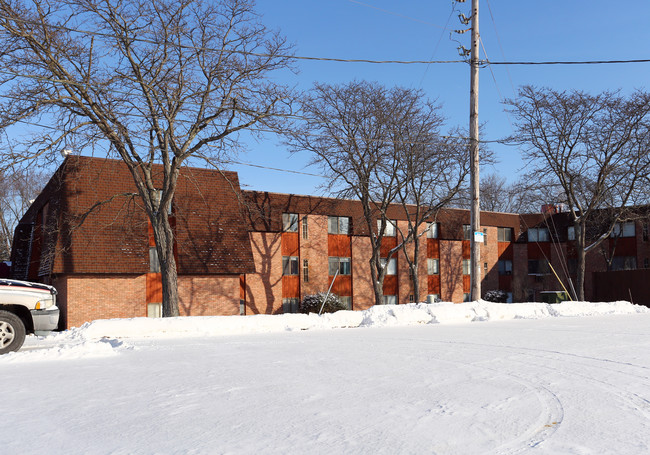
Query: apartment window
pixel 289 265
pixel 154 263
pixel 338 225
pixel 645 232
pixel 623 263
pixel 154 310
pixel 346 300
pixel 290 305
pixel 504 234
pixel 505 267
pixel 467 232
pixel 391 266
pixel 466 267
pixel 290 222
pixel 305 270
pixel 624 229
pixel 390 300
pixel 509 299
pixel 646 263
pixel 572 264
pixel 411 298
pixel 433 298
pixel 466 297
pixel 433 266
pixel 485 268
pixel 432 231
pixel 340 264
pixel 571 233
pixel 305 228
pixel 538 267
pixel 390 230
pixel 484 236
pixel 242 307
pixel 538 235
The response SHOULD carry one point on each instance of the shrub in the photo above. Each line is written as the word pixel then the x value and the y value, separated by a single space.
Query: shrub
pixel 312 303
pixel 496 296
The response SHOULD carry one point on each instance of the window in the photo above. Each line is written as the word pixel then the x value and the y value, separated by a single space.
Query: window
pixel 154 310
pixel 290 305
pixel 305 228
pixel 623 263
pixel 646 263
pixel 538 235
pixel 505 267
pixel 338 225
pixel 538 267
pixel 390 231
pixel 340 264
pixel 485 268
pixel 242 307
pixel 572 264
pixel 154 263
pixel 433 266
pixel 645 232
pixel 391 267
pixel 509 299
pixel 467 267
pixel 504 234
pixel 290 222
pixel 432 231
pixel 305 270
pixel 624 229
pixel 467 232
pixel 289 265
pixel 433 298
pixel 347 301
pixel 571 233
pixel 466 297
pixel 390 300
pixel 484 236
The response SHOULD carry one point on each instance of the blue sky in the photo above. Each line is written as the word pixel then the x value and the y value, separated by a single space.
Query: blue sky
pixel 415 30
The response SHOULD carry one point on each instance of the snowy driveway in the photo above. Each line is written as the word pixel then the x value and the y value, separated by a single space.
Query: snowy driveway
pixel 572 385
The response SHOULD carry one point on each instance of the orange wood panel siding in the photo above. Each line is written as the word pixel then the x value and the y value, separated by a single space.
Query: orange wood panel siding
pixel 539 250
pixel 387 244
pixel 290 244
pixel 433 284
pixel 433 248
pixel 466 249
pixel 505 282
pixel 342 285
pixel 290 286
pixel 625 246
pixel 505 250
pixel 339 245
pixel 467 286
pixel 390 285
pixel 154 288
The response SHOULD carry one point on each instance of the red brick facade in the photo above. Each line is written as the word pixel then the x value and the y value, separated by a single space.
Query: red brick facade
pixel 234 255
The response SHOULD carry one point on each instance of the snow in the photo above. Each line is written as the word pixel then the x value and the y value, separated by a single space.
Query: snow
pixel 479 377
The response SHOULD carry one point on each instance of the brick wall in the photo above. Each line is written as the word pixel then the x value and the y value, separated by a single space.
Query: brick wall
pixel 264 288
pixel 451 270
pixel 364 296
pixel 208 295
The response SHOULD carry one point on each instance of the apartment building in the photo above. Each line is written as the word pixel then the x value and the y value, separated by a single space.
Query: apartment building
pixel 249 252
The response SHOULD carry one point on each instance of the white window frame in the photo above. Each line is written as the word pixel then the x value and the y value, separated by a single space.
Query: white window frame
pixel 432 231
pixel 628 229
pixel 391 228
pixel 335 263
pixel 390 266
pixel 467 267
pixel 433 266
pixel 390 300
pixel 290 222
pixel 287 266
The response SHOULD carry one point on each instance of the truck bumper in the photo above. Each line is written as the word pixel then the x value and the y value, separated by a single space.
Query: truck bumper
pixel 45 320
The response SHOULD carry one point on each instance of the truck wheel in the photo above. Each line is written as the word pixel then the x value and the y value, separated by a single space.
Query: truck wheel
pixel 12 332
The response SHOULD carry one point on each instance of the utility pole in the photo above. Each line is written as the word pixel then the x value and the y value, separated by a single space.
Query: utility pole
pixel 475 220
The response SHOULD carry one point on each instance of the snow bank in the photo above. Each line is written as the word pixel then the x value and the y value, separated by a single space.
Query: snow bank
pixel 377 316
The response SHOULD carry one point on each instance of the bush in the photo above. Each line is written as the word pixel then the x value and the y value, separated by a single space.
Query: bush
pixel 312 303
pixel 496 296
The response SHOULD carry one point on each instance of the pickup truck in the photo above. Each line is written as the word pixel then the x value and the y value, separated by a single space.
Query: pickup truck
pixel 25 308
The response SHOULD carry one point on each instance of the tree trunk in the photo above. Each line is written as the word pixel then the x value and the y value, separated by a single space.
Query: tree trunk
pixel 415 269
pixel 164 237
pixel 580 248
pixel 377 277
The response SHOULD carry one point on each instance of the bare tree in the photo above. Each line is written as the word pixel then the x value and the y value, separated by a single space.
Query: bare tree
pixel 17 190
pixel 156 82
pixel 431 170
pixel 595 147
pixel 357 133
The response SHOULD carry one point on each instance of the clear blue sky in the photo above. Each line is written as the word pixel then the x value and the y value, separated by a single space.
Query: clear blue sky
pixel 415 30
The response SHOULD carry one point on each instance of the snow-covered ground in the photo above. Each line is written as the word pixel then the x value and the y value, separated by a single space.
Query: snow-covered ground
pixel 473 378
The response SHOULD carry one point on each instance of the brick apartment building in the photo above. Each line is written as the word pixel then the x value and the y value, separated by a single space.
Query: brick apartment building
pixel 249 252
